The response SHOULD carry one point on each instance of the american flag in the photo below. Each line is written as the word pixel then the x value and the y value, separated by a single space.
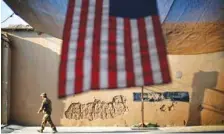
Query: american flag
pixel 110 44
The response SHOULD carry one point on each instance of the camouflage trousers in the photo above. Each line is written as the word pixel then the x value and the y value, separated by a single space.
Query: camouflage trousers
pixel 47 118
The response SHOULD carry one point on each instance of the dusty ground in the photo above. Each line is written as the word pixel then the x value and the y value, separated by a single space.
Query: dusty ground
pixel 195 129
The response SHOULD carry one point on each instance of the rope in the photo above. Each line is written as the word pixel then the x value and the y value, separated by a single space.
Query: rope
pixel 8 18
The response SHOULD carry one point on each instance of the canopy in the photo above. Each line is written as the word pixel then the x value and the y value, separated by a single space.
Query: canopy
pixel 48 16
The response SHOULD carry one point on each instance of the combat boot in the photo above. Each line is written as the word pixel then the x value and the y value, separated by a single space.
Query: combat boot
pixel 54 130
pixel 40 131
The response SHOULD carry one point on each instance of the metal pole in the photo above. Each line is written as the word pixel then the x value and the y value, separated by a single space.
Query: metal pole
pixel 6 68
pixel 142 110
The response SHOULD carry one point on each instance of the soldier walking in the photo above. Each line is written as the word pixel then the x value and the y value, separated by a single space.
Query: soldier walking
pixel 46 108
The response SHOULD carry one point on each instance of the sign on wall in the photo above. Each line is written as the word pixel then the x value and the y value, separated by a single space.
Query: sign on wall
pixel 158 96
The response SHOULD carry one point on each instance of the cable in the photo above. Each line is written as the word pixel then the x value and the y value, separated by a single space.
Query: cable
pixel 149 89
pixel 154 88
pixel 8 18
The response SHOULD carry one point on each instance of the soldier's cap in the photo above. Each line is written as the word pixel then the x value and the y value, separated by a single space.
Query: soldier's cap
pixel 43 94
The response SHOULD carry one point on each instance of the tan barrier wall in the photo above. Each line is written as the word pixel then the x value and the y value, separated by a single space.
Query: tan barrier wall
pixel 35 61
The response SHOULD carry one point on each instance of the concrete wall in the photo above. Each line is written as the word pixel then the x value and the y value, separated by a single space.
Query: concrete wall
pixel 35 61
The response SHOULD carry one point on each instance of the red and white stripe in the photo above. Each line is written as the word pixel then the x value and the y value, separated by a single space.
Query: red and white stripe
pixel 102 51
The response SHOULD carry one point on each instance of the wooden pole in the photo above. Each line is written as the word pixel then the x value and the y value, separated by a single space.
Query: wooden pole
pixel 142 109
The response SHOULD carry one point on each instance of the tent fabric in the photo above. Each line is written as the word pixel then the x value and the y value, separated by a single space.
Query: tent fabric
pixel 49 15
pixel 196 11
pixel 192 38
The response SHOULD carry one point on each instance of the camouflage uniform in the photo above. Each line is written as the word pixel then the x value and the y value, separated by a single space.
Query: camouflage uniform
pixel 46 108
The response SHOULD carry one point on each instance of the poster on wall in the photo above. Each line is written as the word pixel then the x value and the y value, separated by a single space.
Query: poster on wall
pixel 158 96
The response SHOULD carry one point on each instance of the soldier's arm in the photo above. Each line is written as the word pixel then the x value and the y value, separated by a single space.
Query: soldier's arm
pixel 41 107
